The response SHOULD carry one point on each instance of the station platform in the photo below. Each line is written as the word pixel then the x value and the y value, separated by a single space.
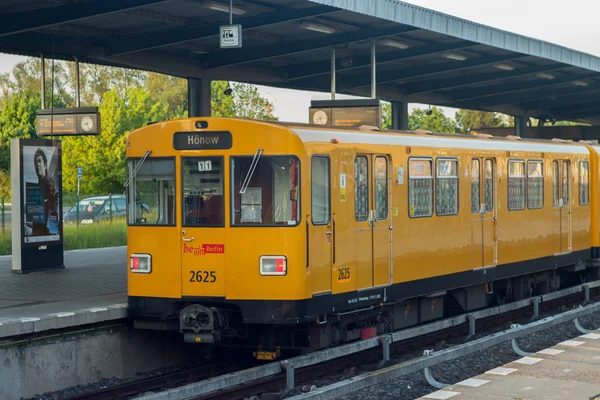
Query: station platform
pixel 569 370
pixel 92 288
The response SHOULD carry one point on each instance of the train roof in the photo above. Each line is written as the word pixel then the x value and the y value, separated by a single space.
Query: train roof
pixel 371 135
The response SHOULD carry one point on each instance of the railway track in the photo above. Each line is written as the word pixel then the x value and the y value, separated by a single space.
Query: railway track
pixel 274 386
pixel 157 383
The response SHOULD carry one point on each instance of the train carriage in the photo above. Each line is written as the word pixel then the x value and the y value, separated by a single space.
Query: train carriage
pixel 296 236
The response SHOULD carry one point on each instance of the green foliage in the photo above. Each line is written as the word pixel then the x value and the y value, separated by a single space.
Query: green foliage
pixel 103 157
pixel 467 120
pixel 17 120
pixel 434 121
pixel 106 234
pixel 5 184
pixel 386 115
pixel 127 100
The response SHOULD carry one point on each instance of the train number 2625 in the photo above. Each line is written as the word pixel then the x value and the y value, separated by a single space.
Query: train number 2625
pixel 203 276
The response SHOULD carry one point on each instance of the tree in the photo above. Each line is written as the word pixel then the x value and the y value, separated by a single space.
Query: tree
pixel 5 184
pixel 103 157
pixel 17 120
pixel 467 120
pixel 434 121
pixel 386 115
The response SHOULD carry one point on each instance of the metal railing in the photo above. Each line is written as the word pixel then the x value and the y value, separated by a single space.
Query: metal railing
pixel 289 366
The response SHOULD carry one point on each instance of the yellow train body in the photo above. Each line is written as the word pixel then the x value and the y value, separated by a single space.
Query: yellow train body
pixel 371 218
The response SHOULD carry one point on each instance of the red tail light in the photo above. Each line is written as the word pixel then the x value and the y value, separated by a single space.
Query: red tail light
pixel 273 265
pixel 141 263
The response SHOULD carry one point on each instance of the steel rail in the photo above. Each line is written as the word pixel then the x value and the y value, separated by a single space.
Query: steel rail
pixel 434 358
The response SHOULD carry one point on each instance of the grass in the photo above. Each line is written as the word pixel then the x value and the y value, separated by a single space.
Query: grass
pixel 105 234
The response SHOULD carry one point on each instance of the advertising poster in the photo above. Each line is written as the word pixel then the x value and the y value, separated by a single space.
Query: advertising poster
pixel 37 172
pixel 41 193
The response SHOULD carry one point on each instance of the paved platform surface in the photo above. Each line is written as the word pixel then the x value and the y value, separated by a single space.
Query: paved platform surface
pixel 570 370
pixel 92 288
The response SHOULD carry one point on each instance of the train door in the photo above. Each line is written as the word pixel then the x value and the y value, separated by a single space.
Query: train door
pixel 320 232
pixel 565 207
pixel 483 199
pixel 363 231
pixel 203 226
pixel 380 220
pixel 488 212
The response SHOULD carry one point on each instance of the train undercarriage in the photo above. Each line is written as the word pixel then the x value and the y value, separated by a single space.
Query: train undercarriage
pixel 221 326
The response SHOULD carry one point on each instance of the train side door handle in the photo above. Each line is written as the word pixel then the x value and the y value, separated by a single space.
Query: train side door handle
pixel 328 233
pixel 186 239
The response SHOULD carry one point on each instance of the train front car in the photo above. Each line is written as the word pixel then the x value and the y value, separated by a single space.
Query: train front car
pixel 221 250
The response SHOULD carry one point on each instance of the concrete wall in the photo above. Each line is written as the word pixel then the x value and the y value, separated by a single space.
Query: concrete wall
pixel 39 368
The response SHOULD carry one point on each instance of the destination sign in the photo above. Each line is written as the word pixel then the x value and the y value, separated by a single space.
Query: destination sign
pixel 202 140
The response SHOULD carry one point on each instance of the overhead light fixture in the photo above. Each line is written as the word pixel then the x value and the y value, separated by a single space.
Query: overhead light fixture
pixel 505 67
pixel 454 56
pixel 580 83
pixel 393 43
pixel 311 26
pixel 213 5
pixel 545 75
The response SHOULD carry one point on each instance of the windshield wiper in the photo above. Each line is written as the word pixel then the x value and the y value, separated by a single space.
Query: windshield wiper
pixel 137 167
pixel 251 171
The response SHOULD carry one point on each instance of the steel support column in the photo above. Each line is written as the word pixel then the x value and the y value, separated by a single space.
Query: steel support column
pixel 399 115
pixel 520 126
pixel 199 97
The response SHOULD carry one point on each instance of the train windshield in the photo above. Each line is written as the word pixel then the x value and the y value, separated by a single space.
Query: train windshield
pixel 151 192
pixel 265 192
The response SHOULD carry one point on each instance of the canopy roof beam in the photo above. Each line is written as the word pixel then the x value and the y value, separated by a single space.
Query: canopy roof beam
pixel 309 70
pixel 153 40
pixel 240 56
pixel 24 21
pixel 428 70
pixel 433 85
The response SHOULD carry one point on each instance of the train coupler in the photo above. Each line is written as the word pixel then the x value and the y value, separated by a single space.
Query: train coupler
pixel 261 354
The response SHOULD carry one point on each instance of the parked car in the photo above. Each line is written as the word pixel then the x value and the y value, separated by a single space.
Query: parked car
pixel 96 209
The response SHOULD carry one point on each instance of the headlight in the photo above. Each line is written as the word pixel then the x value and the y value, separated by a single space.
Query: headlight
pixel 141 263
pixel 273 265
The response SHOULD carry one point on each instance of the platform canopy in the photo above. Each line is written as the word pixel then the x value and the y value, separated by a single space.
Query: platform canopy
pixel 423 56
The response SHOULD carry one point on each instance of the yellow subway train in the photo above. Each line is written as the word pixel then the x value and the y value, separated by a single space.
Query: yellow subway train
pixel 289 236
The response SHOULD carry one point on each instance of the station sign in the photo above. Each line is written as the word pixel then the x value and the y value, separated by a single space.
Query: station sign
pixel 202 140
pixel 68 121
pixel 346 113
pixel 230 36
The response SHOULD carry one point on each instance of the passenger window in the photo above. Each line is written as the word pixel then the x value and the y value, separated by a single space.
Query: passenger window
pixel 153 185
pixel 555 176
pixel 565 183
pixel 584 183
pixel 203 200
pixel 516 185
pixel 535 184
pixel 361 189
pixel 488 185
pixel 446 193
pixel 320 190
pixel 381 188
pixel 475 187
pixel 420 188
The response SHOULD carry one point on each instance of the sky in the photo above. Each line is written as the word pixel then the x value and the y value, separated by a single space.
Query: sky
pixel 573 24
